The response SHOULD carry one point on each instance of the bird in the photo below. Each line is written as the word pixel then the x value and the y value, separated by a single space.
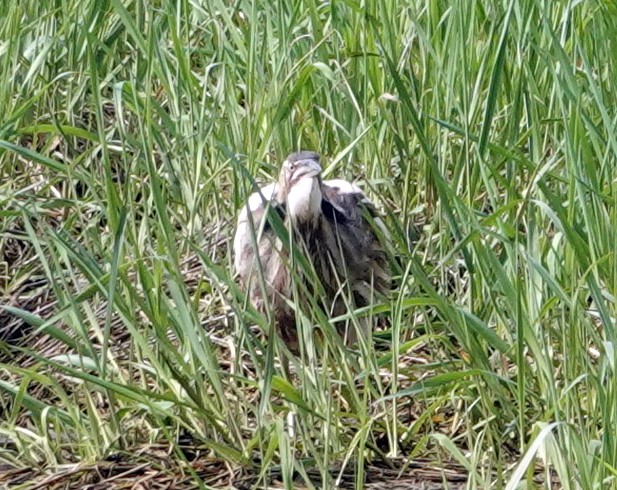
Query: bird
pixel 338 237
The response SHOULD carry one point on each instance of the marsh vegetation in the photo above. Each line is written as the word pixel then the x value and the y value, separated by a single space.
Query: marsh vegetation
pixel 133 130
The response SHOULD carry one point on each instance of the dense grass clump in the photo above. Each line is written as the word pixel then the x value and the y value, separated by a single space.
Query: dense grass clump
pixel 132 131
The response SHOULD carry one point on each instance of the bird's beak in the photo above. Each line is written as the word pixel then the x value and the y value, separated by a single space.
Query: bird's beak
pixel 310 168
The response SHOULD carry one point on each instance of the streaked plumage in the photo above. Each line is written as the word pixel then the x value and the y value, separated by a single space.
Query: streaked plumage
pixel 329 225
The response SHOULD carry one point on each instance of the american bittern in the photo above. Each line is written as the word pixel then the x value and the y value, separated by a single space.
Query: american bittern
pixel 331 223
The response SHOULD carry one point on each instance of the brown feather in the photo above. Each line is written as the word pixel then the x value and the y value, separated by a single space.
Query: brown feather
pixel 336 237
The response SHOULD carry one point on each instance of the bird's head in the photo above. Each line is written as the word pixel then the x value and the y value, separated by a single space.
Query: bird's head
pixel 300 183
pixel 298 166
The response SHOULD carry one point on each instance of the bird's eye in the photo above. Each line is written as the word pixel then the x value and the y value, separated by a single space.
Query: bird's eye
pixel 291 165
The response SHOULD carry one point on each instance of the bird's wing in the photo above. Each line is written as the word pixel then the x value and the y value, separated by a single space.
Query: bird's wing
pixel 346 203
pixel 360 231
pixel 252 221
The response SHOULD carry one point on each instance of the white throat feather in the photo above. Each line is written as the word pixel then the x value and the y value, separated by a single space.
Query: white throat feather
pixel 304 201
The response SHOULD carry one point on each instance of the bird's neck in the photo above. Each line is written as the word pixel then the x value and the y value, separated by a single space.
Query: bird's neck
pixel 304 202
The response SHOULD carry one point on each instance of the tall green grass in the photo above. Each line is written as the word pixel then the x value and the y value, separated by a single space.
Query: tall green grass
pixel 132 131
